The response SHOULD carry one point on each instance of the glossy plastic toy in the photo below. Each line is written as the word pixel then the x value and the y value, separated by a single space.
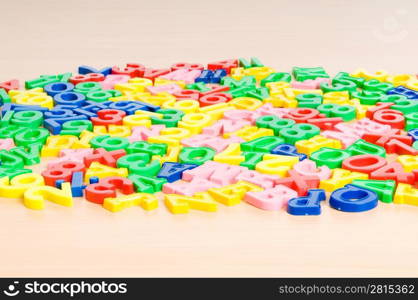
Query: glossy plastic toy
pixel 200 136
pixel 353 199
pixel 307 205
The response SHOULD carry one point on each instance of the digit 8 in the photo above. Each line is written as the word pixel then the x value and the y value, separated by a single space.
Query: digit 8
pixel 298 132
pixel 275 123
pixel 62 170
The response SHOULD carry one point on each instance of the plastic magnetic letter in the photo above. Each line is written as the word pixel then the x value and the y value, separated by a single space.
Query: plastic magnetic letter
pixel 196 155
pixel 34 198
pixel 271 199
pixel 173 171
pixel 395 171
pixel 366 163
pixel 299 183
pixel 353 199
pixel 307 205
pixel 288 149
pixel 383 188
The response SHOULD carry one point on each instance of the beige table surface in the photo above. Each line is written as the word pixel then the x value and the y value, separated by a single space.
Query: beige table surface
pixel 47 37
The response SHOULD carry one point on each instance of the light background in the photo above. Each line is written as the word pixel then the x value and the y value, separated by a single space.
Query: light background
pixel 48 37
